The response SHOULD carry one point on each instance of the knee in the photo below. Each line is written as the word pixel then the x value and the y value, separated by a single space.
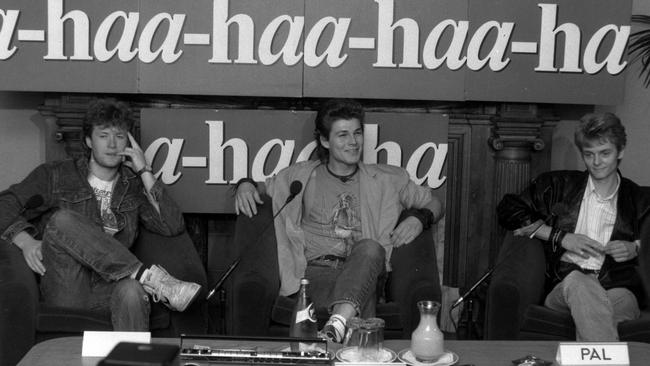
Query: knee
pixel 371 250
pixel 64 219
pixel 129 292
pixel 582 285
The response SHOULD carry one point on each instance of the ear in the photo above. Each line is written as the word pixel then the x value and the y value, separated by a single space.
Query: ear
pixel 324 142
pixel 621 153
pixel 89 142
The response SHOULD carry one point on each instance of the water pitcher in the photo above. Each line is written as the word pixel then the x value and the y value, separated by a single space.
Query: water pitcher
pixel 427 341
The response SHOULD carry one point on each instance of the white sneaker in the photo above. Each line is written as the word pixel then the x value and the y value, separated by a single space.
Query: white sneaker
pixel 174 293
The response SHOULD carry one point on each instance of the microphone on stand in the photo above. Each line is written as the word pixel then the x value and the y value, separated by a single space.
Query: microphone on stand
pixel 294 189
pixel 552 217
pixel 32 203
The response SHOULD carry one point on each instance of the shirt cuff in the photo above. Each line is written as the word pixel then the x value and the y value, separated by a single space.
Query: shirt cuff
pixel 16 228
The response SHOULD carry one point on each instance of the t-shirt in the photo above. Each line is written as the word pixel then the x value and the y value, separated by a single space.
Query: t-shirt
pixel 103 193
pixel 332 215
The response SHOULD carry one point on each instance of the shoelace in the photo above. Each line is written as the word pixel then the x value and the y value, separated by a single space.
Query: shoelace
pixel 333 332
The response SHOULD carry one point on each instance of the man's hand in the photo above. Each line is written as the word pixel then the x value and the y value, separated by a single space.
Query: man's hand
pixel 406 231
pixel 135 155
pixel 582 245
pixel 528 230
pixel 246 199
pixel 621 250
pixel 32 252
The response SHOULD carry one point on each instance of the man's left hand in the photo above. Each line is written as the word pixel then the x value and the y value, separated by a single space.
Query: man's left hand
pixel 621 250
pixel 134 156
pixel 406 231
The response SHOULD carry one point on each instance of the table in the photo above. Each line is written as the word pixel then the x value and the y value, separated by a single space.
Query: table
pixel 67 351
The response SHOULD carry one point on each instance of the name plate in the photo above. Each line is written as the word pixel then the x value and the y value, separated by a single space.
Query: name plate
pixel 593 353
pixel 99 344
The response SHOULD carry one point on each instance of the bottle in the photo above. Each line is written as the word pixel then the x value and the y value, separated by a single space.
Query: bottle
pixel 303 319
pixel 427 341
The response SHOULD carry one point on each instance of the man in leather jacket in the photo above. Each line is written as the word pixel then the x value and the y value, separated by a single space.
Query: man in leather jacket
pixel 590 223
pixel 74 221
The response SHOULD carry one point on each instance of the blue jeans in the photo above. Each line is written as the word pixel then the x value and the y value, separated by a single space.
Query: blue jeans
pixel 86 268
pixel 595 311
pixel 353 281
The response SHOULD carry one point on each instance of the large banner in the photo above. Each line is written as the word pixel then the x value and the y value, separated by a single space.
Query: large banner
pixel 545 51
pixel 199 154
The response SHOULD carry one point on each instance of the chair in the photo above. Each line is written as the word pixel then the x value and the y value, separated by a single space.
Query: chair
pixel 258 310
pixel 25 321
pixel 516 294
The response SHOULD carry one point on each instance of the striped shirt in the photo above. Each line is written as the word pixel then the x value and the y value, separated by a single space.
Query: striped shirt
pixel 596 220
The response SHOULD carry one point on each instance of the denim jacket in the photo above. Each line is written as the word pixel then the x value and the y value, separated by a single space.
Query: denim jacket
pixel 64 185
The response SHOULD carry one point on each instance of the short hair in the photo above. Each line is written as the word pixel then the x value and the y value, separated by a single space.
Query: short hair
pixel 106 113
pixel 334 110
pixel 602 128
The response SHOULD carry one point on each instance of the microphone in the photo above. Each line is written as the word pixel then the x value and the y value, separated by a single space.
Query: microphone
pixel 471 290
pixel 32 203
pixel 223 278
pixel 294 189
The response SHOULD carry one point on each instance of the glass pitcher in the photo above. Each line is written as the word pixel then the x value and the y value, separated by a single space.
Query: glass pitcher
pixel 427 341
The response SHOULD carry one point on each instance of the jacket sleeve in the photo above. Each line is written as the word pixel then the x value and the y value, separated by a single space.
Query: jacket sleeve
pixel 534 203
pixel 170 220
pixel 12 201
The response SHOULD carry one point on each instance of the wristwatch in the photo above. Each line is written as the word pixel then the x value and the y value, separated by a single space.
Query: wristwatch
pixel 144 169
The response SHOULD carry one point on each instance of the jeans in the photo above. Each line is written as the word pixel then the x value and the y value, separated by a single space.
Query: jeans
pixel 595 311
pixel 353 281
pixel 89 269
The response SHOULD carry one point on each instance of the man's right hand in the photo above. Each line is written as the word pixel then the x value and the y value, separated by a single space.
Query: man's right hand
pixel 246 199
pixel 32 252
pixel 582 245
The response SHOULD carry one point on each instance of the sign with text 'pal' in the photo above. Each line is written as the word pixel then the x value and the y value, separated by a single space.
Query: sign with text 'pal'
pixel 199 154
pixel 593 353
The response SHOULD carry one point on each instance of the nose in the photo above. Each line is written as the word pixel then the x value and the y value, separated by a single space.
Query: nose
pixel 597 160
pixel 112 141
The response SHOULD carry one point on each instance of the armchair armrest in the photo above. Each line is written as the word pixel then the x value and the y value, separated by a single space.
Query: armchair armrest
pixel 179 257
pixel 18 303
pixel 256 281
pixel 414 278
pixel 517 282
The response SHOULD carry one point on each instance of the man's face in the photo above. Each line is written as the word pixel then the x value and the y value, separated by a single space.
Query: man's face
pixel 105 143
pixel 601 159
pixel 345 142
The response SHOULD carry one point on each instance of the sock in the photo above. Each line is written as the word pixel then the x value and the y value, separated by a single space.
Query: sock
pixel 137 275
pixel 337 324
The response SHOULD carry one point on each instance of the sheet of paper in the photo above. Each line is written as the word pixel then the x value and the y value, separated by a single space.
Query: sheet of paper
pixel 99 344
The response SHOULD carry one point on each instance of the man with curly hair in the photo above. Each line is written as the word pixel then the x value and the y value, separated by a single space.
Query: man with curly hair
pixel 88 215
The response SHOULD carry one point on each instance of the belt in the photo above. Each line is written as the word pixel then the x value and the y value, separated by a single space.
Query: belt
pixel 328 260
pixel 565 268
pixel 589 271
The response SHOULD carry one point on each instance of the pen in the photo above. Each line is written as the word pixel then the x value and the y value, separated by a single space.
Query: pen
pixel 536 230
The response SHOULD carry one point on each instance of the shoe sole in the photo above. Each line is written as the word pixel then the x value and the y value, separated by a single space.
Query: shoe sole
pixel 194 297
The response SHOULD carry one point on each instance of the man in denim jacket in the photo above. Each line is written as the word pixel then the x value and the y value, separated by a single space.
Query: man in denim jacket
pixel 87 215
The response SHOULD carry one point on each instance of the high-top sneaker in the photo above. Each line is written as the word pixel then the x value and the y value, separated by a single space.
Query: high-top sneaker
pixel 174 293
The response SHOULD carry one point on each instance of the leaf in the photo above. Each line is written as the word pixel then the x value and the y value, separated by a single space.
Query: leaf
pixel 639 47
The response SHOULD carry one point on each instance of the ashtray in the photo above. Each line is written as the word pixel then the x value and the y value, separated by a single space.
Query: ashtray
pixel 352 354
pixel 446 359
pixel 531 360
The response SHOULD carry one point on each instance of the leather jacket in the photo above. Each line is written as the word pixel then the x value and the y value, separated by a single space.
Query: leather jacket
pixel 64 185
pixel 555 197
